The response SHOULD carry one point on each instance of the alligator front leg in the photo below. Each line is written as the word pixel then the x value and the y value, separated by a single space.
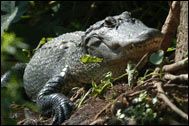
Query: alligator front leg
pixel 53 102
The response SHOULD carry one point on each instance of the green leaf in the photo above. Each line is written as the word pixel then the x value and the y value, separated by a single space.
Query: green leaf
pixel 90 59
pixel 157 57
pixel 170 49
pixel 42 42
pixel 105 84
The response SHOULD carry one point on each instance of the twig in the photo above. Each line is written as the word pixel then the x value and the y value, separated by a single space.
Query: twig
pixel 176 66
pixel 168 102
pixel 142 60
pixel 146 84
pixel 83 98
pixel 78 93
pixel 136 67
pixel 135 93
pixel 103 109
pixel 156 71
pixel 148 80
pixel 181 77
pixel 121 95
pixel 98 122
pixel 108 105
pixel 176 85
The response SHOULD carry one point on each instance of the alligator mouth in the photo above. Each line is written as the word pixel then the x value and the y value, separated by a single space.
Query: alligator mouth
pixel 138 49
pixel 145 45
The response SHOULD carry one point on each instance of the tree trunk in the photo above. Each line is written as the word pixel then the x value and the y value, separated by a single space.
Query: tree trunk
pixel 182 33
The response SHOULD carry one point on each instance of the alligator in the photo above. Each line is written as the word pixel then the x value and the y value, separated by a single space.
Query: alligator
pixel 56 67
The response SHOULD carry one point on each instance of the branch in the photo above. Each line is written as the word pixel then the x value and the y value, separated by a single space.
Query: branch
pixel 181 77
pixel 176 66
pixel 162 95
pixel 98 122
pixel 175 85
pixel 170 26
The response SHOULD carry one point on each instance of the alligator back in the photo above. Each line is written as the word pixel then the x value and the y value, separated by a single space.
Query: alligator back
pixel 48 61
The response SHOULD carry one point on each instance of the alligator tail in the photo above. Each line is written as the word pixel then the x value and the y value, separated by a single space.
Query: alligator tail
pixel 17 68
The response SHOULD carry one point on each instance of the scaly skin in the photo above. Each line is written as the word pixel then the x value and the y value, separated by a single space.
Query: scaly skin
pixel 56 68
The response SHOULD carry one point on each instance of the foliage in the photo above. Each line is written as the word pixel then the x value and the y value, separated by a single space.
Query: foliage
pixel 157 57
pixel 105 83
pixel 13 45
pixel 42 42
pixel 170 49
pixel 141 111
pixel 90 59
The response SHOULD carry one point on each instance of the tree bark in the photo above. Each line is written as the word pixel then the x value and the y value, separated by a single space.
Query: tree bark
pixel 171 23
pixel 182 33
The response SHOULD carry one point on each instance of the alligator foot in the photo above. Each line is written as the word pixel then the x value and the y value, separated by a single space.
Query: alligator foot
pixel 53 102
pixel 58 105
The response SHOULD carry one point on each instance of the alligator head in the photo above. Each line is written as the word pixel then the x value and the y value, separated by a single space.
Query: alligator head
pixel 121 37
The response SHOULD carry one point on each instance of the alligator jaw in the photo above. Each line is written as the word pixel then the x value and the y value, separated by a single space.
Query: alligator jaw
pixel 135 51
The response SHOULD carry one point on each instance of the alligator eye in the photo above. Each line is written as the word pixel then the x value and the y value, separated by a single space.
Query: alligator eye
pixel 94 41
pixel 120 20
pixel 110 22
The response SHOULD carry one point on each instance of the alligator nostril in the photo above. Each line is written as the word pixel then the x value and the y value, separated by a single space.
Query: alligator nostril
pixel 115 46
pixel 132 20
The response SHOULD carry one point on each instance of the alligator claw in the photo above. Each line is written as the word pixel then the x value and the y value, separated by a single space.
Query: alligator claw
pixel 58 105
pixel 62 112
